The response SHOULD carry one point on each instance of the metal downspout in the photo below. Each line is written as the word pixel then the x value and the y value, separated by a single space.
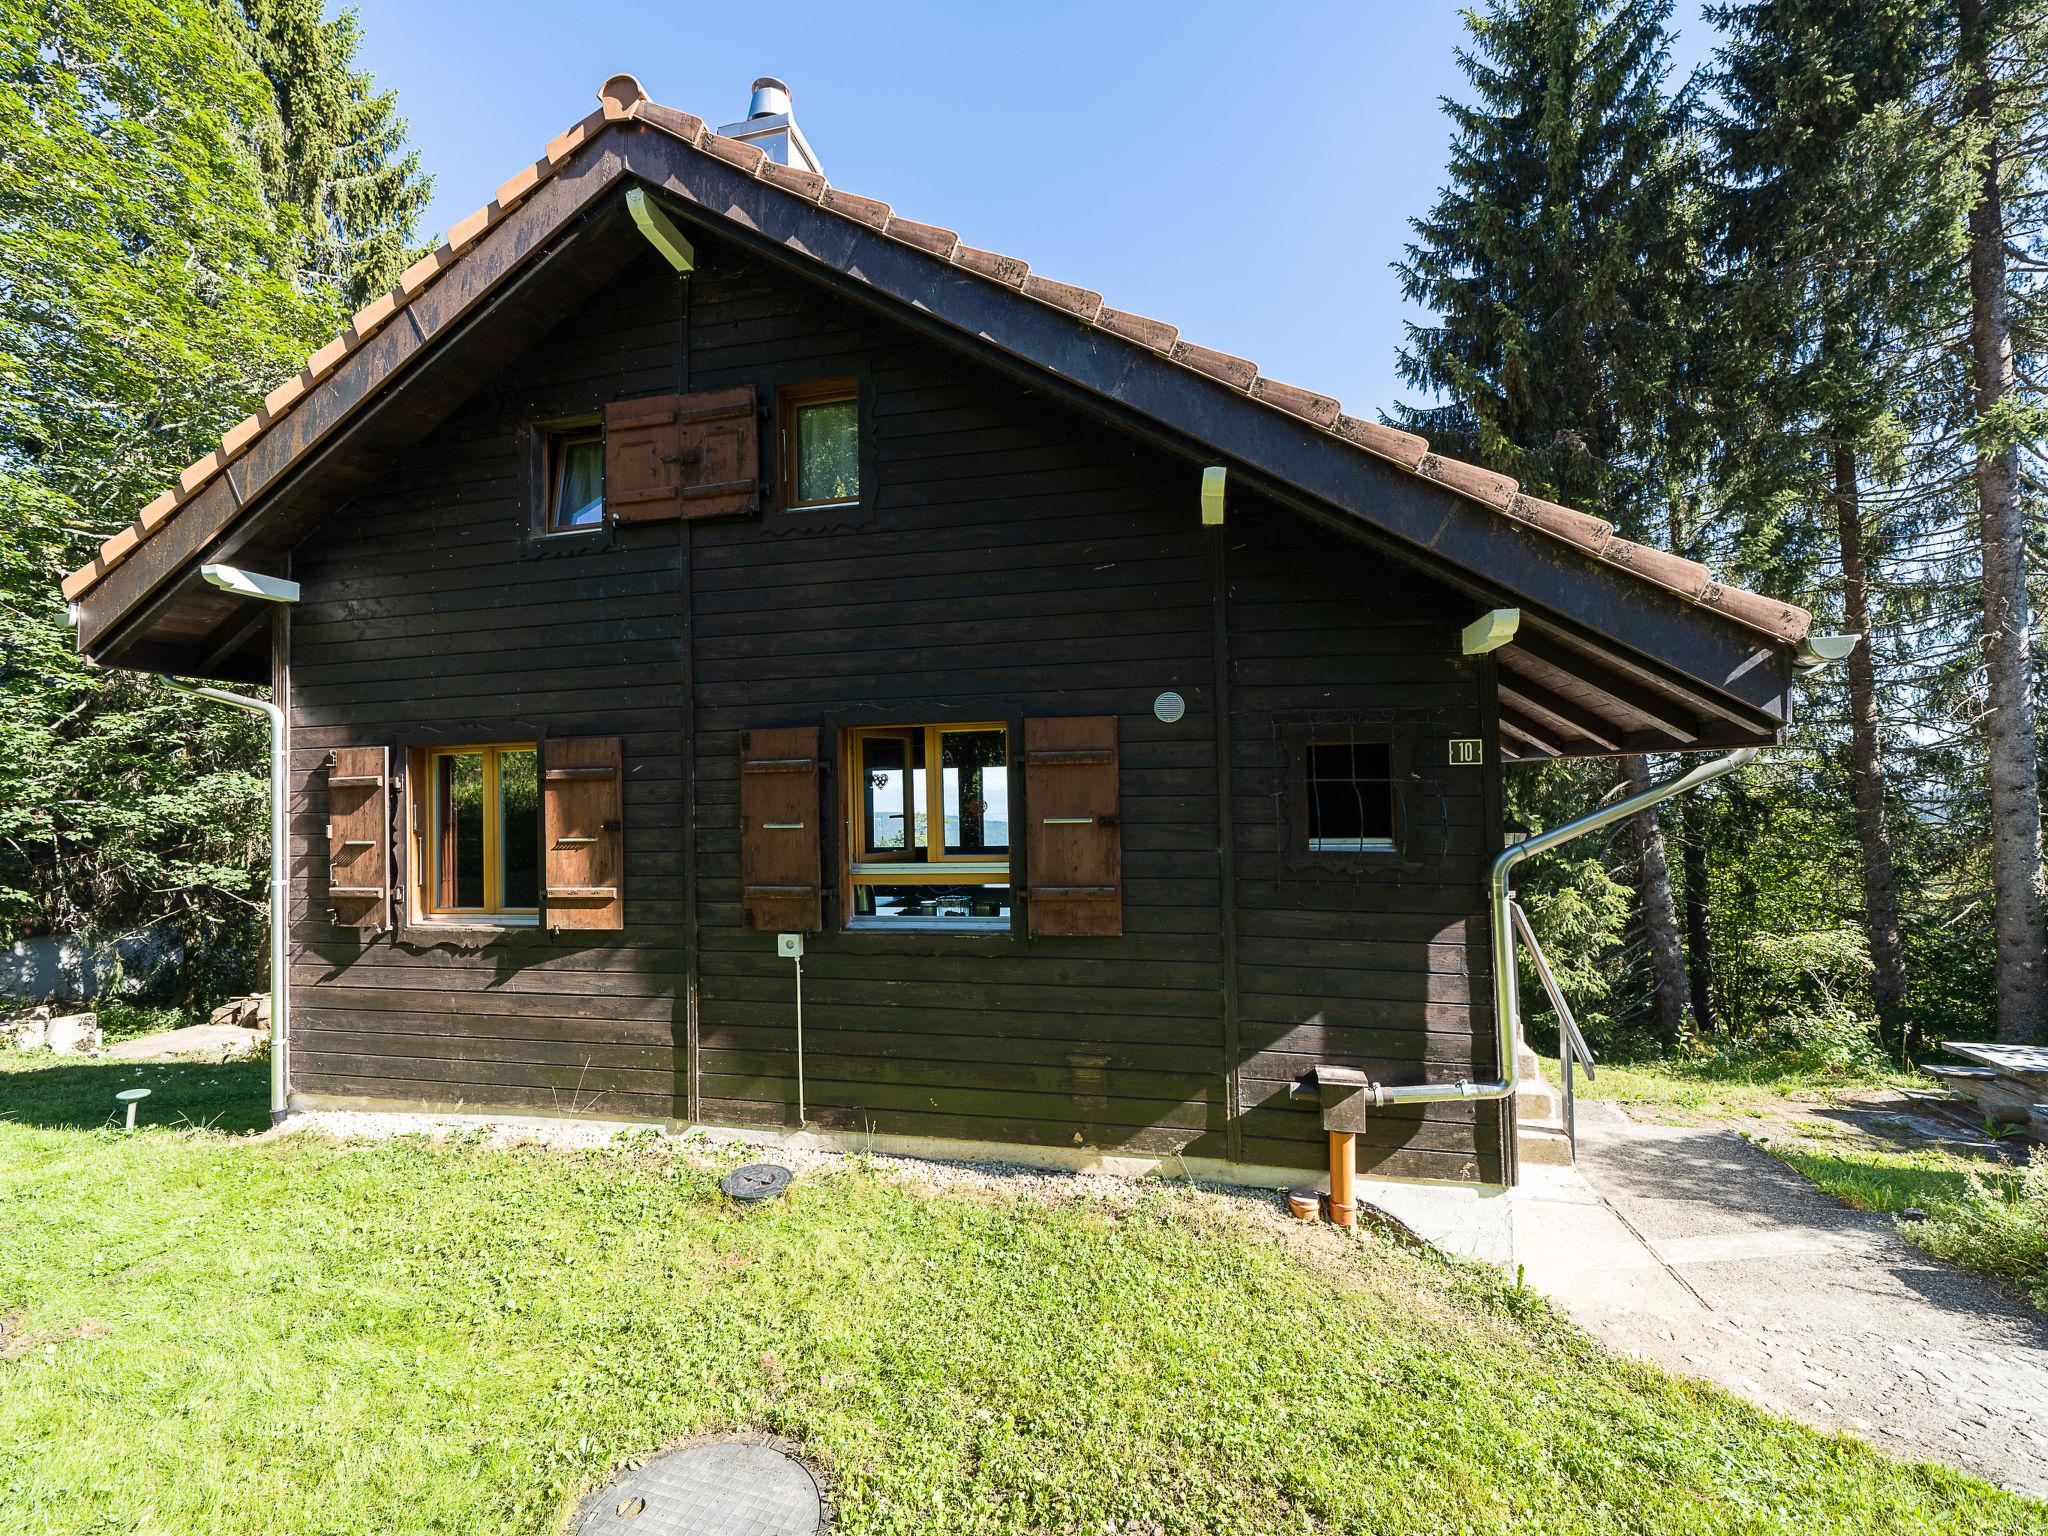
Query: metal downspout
pixel 280 873
pixel 1506 1004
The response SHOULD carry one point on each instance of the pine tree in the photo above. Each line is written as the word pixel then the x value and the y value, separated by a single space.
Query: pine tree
pixel 1999 90
pixel 334 147
pixel 1837 221
pixel 1561 261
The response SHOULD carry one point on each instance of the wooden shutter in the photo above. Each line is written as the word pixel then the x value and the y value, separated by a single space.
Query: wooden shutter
pixel 1073 844
pixel 583 828
pixel 779 811
pixel 643 479
pixel 670 456
pixel 721 454
pixel 359 837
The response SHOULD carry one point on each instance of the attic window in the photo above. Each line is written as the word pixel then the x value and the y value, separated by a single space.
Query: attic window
pixel 1350 796
pixel 575 479
pixel 820 444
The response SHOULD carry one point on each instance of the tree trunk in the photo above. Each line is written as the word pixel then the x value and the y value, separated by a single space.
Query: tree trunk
pixel 1660 916
pixel 1699 938
pixel 2014 779
pixel 1866 755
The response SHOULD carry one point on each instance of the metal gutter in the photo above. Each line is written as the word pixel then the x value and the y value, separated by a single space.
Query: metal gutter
pixel 280 873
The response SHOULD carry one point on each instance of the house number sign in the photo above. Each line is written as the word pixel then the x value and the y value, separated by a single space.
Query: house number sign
pixel 1467 752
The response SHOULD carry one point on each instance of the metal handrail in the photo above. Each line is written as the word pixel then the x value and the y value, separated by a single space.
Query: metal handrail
pixel 1571 1045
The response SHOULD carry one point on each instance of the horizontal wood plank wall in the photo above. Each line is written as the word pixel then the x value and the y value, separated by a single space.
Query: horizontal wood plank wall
pixel 1011 560
pixel 421 614
pixel 1381 962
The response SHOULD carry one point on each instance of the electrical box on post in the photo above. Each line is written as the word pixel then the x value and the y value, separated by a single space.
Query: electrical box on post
pixel 790 946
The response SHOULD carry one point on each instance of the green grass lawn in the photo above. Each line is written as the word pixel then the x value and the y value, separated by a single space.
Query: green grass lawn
pixel 211 1335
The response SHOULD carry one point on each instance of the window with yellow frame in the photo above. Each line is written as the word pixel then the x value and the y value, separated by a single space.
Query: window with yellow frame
pixel 928 826
pixel 479 832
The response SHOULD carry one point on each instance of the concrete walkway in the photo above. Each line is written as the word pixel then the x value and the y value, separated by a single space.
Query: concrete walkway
pixel 1697 1250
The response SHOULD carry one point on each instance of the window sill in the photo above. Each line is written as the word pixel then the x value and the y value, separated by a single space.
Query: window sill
pixel 993 928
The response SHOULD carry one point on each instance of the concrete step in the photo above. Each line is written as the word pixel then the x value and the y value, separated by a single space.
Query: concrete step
pixel 1546 1144
pixel 1539 1116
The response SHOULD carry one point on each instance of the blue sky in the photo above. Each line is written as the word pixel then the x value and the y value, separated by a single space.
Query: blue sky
pixel 1244 171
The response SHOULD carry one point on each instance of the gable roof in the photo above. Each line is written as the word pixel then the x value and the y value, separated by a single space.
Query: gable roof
pixel 624 102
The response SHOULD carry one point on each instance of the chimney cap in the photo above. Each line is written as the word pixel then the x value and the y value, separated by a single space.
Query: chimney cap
pixel 770 99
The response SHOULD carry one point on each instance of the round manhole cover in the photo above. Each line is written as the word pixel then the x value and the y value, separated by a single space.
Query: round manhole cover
pixel 720 1488
pixel 756 1181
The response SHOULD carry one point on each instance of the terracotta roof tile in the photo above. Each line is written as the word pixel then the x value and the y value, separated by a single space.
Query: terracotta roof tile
pixel 1759 612
pixel 1234 371
pixel 747 157
pixel 573 138
pixel 285 394
pixel 1075 301
pixel 372 315
pixel 1007 270
pixel 926 237
pixel 808 185
pixel 1688 578
pixel 515 187
pixel 1567 523
pixel 322 363
pixel 1156 334
pixel 1404 448
pixel 1295 401
pixel 862 210
pixel 623 101
pixel 158 510
pixel 242 434
pixel 619 96
pixel 1470 480
pixel 686 126
pixel 200 470
pixel 463 232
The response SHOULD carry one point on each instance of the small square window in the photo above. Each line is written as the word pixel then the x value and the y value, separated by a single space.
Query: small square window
pixel 575 471
pixel 1350 796
pixel 820 429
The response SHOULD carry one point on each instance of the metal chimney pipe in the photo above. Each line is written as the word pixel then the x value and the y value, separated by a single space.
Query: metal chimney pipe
pixel 770 98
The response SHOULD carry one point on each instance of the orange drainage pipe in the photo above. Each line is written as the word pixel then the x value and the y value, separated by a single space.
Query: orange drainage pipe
pixel 1343 1177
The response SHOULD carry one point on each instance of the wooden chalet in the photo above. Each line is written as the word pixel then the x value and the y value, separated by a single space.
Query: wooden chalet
pixel 689 553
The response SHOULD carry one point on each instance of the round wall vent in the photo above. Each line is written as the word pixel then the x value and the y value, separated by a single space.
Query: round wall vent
pixel 717 1488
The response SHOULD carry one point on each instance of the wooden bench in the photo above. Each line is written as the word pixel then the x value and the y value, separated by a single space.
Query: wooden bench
pixel 2004 1081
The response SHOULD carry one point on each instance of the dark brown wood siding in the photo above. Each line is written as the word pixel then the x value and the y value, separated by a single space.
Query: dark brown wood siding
pixel 422 620
pixel 1008 560
pixel 1374 960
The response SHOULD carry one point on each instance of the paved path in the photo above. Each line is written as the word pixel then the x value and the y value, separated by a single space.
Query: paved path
pixel 1695 1249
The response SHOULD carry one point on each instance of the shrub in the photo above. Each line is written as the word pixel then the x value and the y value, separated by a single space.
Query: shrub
pixel 1999 1227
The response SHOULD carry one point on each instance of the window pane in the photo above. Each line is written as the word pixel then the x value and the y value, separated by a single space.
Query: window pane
pixel 579 483
pixel 519 831
pixel 1350 795
pixel 976 786
pixel 886 794
pixel 827 451
pixel 462 830
pixel 930 906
